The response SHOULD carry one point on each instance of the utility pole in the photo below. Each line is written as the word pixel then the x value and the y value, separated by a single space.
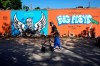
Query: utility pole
pixel 89 3
pixel 31 7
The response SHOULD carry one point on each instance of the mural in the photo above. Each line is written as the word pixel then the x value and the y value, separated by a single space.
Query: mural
pixel 80 22
pixel 74 19
pixel 23 21
pixel 4 22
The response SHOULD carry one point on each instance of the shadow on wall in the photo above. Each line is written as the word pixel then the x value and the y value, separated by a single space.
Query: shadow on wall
pixel 85 33
pixel 0 34
pixel 6 29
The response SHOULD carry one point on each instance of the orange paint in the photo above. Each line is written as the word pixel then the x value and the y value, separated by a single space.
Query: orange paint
pixel 4 21
pixel 74 28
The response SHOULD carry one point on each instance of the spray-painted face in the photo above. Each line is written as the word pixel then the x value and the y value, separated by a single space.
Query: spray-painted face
pixel 29 23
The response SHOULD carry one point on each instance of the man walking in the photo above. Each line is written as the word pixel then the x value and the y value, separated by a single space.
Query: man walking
pixel 55 34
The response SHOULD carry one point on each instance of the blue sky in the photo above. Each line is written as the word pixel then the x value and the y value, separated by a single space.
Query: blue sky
pixel 60 3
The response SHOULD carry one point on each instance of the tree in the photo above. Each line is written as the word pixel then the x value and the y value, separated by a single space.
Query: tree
pixel 1 5
pixel 6 4
pixel 16 4
pixel 37 8
pixel 25 7
pixel 10 4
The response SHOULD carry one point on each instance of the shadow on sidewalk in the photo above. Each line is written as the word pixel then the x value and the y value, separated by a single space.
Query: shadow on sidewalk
pixel 14 53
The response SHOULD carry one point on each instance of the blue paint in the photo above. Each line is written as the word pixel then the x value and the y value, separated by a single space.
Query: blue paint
pixel 22 16
pixel 74 19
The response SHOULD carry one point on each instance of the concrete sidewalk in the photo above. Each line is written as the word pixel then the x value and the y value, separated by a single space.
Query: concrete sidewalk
pixel 26 52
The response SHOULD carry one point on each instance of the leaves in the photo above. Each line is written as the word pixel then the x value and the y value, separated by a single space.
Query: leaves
pixel 37 8
pixel 10 4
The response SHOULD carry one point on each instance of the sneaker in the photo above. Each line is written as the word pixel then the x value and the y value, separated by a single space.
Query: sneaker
pixel 60 48
pixel 54 48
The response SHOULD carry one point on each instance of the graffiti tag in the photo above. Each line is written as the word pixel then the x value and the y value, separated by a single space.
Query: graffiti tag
pixel 74 19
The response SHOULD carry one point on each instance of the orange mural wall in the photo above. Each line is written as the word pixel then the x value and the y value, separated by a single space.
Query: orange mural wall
pixel 77 28
pixel 4 21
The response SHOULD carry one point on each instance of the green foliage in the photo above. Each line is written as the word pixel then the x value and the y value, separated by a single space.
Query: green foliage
pixel 37 8
pixel 10 4
pixel 16 4
pixel 6 4
pixel 25 7
pixel 1 4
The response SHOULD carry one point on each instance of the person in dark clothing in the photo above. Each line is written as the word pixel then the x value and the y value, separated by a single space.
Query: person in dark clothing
pixel 56 35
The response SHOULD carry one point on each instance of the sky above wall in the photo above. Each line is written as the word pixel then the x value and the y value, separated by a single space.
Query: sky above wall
pixel 58 4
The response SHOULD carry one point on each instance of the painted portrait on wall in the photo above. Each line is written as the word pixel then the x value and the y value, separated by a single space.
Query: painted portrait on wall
pixel 32 20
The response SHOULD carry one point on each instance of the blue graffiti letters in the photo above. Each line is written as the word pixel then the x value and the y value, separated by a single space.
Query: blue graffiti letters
pixel 74 19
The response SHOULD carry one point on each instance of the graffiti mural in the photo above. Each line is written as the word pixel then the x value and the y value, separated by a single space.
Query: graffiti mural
pixel 4 22
pixel 68 21
pixel 74 19
pixel 31 20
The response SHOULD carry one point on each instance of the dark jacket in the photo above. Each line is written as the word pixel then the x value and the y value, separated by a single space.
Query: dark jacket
pixel 55 31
